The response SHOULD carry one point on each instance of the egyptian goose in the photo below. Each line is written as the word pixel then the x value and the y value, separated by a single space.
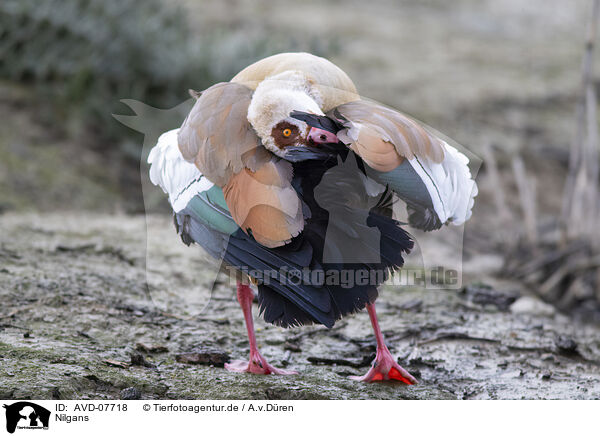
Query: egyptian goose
pixel 288 175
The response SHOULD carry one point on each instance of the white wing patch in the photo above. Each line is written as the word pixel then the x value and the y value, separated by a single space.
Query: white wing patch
pixel 180 179
pixel 450 185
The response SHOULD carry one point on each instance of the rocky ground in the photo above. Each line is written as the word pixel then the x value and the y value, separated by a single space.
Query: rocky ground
pixel 86 314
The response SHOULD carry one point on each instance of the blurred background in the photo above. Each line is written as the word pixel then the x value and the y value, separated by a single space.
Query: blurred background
pixel 504 73
pixel 512 81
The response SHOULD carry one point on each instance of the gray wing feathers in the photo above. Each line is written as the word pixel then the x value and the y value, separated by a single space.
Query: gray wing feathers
pixel 408 137
pixel 409 187
pixel 216 135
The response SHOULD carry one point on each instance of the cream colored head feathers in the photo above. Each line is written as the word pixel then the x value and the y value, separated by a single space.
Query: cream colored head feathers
pixel 275 98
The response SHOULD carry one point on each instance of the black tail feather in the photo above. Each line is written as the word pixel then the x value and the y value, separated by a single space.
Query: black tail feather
pixel 308 299
pixel 309 280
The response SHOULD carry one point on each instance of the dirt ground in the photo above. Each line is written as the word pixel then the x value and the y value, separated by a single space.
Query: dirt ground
pixel 81 318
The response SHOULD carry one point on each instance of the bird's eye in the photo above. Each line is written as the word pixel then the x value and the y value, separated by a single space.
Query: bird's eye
pixel 287 132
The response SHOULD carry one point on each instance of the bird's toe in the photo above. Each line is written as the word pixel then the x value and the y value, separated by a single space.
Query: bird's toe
pixel 385 368
pixel 256 365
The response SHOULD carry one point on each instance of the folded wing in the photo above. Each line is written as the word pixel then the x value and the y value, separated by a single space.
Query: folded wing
pixel 217 137
pixel 179 179
pixel 431 176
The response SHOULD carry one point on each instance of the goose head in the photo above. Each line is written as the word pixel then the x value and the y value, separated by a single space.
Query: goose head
pixel 279 111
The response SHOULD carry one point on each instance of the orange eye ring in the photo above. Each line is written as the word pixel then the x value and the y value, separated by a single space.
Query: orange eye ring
pixel 287 132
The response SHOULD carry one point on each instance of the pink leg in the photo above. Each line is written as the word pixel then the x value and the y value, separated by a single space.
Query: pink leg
pixel 384 366
pixel 257 364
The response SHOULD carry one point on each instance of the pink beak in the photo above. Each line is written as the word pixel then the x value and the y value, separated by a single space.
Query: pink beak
pixel 320 136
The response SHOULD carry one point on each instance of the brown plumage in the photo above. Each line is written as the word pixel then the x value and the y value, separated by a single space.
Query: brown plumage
pixel 263 203
pixel 279 135
pixel 220 140
pixel 217 137
pixel 383 136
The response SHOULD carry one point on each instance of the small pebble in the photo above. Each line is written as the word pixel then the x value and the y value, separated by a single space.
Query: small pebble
pixel 566 345
pixel 130 394
pixel 137 359
pixel 290 346
pixel 547 357
pixel 204 357
pixel 532 306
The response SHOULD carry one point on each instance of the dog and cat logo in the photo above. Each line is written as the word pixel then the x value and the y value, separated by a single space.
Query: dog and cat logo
pixel 26 415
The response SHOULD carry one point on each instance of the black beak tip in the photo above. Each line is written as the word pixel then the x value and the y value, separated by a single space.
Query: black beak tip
pixel 318 121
